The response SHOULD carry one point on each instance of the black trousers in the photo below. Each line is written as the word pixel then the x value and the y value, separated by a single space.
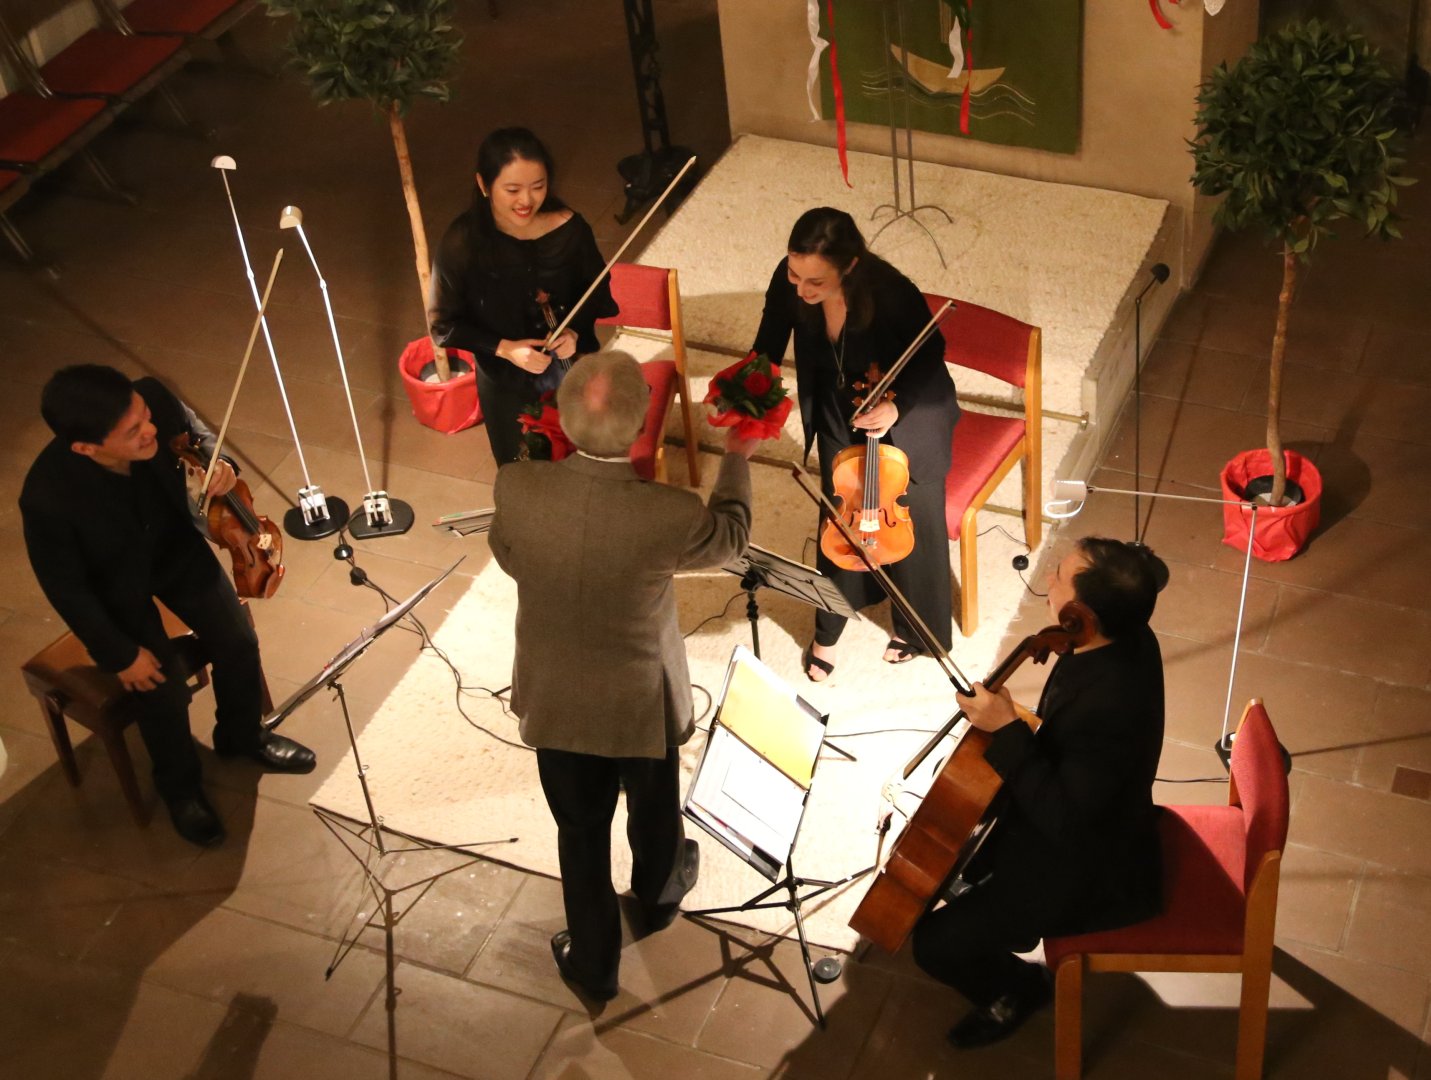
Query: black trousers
pixel 922 576
pixel 581 791
pixel 503 402
pixel 970 943
pixel 201 595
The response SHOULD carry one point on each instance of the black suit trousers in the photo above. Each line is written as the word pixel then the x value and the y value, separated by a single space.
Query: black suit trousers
pixel 204 598
pixel 581 790
pixel 970 943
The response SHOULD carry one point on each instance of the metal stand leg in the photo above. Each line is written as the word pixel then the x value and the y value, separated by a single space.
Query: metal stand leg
pixel 827 969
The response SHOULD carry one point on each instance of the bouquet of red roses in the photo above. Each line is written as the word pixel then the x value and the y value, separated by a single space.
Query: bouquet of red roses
pixel 542 436
pixel 750 396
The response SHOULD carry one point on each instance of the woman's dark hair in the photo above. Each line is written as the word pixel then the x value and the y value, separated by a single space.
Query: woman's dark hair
pixel 833 235
pixel 498 149
pixel 1120 583
pixel 84 402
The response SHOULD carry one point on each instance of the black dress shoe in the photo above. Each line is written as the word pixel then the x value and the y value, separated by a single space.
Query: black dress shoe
pixel 664 914
pixel 194 819
pixel 277 753
pixel 1006 1015
pixel 561 953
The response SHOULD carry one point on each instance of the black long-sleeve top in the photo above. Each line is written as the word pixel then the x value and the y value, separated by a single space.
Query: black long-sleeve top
pixel 101 542
pixel 1077 840
pixel 485 288
pixel 923 391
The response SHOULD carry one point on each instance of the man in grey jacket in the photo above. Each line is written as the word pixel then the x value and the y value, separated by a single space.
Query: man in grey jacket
pixel 600 680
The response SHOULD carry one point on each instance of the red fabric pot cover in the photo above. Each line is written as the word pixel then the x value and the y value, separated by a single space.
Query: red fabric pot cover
pixel 447 407
pixel 1282 531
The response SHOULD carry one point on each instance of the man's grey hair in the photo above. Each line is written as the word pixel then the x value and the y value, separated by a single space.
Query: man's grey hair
pixel 603 402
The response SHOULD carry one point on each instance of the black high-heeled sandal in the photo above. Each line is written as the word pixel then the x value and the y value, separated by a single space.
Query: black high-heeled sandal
pixel 809 658
pixel 904 652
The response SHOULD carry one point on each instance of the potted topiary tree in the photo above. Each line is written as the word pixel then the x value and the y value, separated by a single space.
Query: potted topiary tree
pixel 390 53
pixel 1302 132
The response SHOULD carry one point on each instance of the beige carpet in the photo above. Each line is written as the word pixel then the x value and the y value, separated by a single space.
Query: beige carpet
pixel 1057 256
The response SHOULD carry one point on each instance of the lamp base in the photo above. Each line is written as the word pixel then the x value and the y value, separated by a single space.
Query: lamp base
pixel 295 526
pixel 400 519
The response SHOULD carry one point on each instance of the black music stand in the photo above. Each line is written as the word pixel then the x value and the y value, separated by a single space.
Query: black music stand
pixel 364 840
pixel 758 568
pixel 750 790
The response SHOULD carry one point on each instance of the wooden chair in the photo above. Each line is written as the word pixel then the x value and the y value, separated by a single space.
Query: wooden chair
pixel 987 446
pixel 209 19
pixel 1221 867
pixel 67 684
pixel 650 299
pixel 106 62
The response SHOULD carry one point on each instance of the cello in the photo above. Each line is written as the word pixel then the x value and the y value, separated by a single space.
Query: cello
pixel 951 821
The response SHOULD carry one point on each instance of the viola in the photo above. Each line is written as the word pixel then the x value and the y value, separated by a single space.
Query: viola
pixel 953 820
pixel 869 480
pixel 253 541
pixel 544 305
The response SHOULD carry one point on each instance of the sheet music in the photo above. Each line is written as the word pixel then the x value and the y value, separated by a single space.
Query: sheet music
pixel 748 798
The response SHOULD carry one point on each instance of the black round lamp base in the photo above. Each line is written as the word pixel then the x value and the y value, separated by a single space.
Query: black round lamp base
pixel 296 527
pixel 401 521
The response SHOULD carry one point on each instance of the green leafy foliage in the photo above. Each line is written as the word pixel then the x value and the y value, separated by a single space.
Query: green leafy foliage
pixel 1302 132
pixel 383 51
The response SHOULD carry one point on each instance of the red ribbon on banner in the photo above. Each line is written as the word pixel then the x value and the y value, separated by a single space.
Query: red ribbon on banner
pixel 969 70
pixel 842 143
pixel 1158 14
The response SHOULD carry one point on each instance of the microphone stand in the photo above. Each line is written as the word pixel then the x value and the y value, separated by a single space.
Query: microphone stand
pixel 1159 272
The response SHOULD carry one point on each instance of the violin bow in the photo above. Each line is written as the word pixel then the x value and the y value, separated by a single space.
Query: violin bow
pixel 876 393
pixel 233 396
pixel 619 252
pixel 926 637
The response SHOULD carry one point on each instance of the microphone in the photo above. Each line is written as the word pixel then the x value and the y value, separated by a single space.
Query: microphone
pixel 1158 273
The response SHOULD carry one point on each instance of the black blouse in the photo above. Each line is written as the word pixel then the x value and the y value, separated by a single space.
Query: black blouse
pixel 923 391
pixel 485 288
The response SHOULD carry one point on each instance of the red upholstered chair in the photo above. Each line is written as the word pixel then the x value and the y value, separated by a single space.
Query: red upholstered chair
pixel 106 62
pixel 191 18
pixel 987 446
pixel 650 299
pixel 1221 867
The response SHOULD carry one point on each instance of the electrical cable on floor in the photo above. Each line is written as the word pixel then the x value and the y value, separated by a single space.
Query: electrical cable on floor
pixel 358 576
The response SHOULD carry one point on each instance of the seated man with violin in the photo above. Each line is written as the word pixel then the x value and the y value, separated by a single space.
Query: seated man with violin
pixel 109 525
pixel 1075 847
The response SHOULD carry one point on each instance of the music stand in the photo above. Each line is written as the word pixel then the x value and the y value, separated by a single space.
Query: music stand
pixel 750 790
pixel 466 522
pixel 364 839
pixel 758 568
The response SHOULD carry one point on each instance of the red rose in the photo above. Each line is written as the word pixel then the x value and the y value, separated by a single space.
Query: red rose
pixel 757 384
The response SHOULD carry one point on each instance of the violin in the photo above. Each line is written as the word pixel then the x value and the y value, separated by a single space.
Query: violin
pixel 544 305
pixel 954 820
pixel 869 481
pixel 252 540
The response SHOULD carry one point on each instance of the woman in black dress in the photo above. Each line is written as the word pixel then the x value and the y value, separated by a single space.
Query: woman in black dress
pixel 517 248
pixel 847 309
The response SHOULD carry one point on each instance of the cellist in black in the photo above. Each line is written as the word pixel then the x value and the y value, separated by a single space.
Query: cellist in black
pixel 1076 848
pixel 108 527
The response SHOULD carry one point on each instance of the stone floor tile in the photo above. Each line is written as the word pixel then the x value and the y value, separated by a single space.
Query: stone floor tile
pixel 1185 372
pixel 1369 477
pixel 1401 722
pixel 1391 924
pixel 1203 605
pixel 1393 352
pixel 54 908
pixel 607 1052
pixel 96 1023
pixel 1357 822
pixel 1337 400
pixel 1315 897
pixel 225 953
pixel 1364 1020
pixel 446 926
pixel 455 1025
pixel 766 1005
pixel 1376 640
pixel 29 758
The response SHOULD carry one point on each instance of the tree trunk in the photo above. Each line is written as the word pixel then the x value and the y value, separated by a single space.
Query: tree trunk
pixel 419 233
pixel 1274 378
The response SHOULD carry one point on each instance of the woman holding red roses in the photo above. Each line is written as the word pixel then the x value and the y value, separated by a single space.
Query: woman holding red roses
pixel 518 247
pixel 848 309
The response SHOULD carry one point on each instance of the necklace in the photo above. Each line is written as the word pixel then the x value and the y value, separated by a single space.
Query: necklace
pixel 839 355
